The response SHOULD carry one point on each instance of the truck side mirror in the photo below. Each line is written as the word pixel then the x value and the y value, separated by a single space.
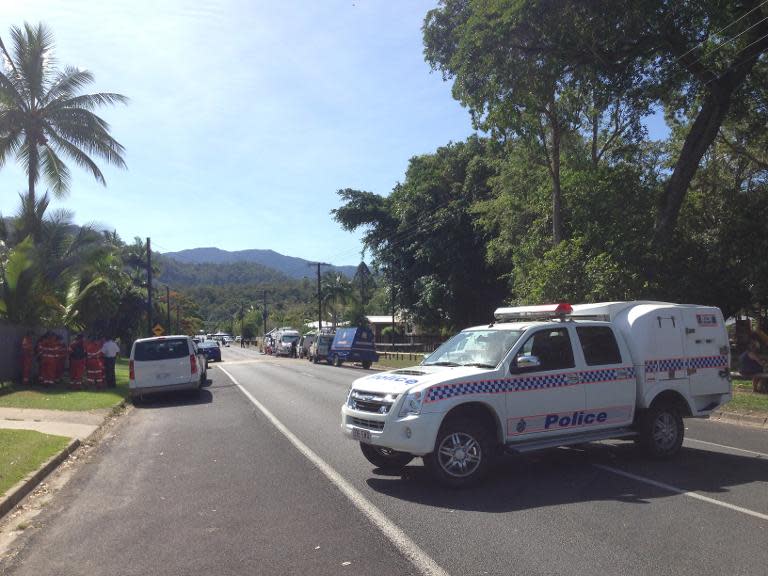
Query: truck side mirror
pixel 524 363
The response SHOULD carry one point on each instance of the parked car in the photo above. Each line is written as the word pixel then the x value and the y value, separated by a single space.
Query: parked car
pixel 211 350
pixel 165 364
pixel 353 345
pixel 319 349
pixel 304 343
pixel 286 340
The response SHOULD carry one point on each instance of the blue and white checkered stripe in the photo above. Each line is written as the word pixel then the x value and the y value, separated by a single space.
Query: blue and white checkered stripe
pixel 674 364
pixel 607 375
pixel 528 383
pixel 538 382
pixel 463 388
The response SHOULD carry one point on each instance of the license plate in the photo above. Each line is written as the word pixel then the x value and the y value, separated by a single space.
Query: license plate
pixel 361 435
pixel 163 376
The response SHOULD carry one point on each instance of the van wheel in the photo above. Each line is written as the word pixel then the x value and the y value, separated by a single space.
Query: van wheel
pixel 336 361
pixel 462 455
pixel 366 364
pixel 661 431
pixel 384 457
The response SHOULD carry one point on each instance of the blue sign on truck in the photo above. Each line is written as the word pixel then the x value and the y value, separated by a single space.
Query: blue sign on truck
pixel 353 345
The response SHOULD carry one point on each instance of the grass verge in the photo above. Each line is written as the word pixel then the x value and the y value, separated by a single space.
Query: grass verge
pixel 745 401
pixel 23 451
pixel 399 361
pixel 60 398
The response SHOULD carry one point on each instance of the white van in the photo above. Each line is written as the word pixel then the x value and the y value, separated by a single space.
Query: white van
pixel 165 364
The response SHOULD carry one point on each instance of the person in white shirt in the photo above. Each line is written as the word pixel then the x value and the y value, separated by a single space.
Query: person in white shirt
pixel 109 351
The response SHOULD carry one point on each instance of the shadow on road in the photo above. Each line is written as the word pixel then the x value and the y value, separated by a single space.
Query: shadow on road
pixel 171 399
pixel 566 476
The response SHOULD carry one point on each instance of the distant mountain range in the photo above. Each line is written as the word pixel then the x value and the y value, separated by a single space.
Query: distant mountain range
pixel 288 265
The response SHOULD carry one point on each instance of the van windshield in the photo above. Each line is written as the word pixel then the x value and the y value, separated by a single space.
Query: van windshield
pixel 289 338
pixel 161 349
pixel 483 348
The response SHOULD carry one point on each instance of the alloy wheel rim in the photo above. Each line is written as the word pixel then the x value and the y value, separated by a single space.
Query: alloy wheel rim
pixel 665 431
pixel 459 454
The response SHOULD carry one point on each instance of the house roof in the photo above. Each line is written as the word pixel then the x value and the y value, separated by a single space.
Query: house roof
pixel 384 319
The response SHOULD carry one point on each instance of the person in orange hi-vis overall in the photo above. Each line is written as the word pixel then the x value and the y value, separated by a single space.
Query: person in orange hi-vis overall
pixel 27 358
pixel 46 349
pixel 77 356
pixel 93 366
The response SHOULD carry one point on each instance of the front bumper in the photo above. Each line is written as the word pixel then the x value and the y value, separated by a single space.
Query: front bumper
pixel 413 434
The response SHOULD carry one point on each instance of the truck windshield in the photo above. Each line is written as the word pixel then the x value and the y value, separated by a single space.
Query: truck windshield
pixel 483 348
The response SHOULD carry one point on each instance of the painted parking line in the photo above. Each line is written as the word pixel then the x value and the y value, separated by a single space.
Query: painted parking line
pixel 675 490
pixel 753 452
pixel 407 547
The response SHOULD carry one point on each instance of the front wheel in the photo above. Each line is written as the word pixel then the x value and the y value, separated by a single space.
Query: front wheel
pixel 384 457
pixel 661 431
pixel 462 455
pixel 336 361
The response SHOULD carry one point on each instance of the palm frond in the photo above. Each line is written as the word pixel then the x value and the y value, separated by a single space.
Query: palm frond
pixel 9 146
pixel 88 135
pixel 67 83
pixel 55 171
pixel 87 101
pixel 33 49
pixel 10 92
pixel 81 158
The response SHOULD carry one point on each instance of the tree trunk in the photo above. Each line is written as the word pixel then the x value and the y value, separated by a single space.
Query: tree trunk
pixel 703 132
pixel 557 202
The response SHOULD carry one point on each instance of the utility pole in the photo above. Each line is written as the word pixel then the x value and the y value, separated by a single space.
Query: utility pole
pixel 178 318
pixel 149 287
pixel 319 296
pixel 264 310
pixel 168 308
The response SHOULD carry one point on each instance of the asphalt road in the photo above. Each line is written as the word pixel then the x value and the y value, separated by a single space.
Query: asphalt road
pixel 216 486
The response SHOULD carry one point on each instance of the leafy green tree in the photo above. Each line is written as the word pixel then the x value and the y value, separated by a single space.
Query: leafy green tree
pixel 701 61
pixel 43 115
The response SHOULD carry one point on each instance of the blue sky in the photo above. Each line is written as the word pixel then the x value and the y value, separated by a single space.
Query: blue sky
pixel 246 116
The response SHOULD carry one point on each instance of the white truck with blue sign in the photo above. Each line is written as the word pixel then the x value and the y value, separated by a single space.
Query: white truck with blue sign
pixel 545 376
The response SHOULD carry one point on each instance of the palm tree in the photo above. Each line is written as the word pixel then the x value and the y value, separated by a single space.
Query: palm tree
pixel 43 116
pixel 337 291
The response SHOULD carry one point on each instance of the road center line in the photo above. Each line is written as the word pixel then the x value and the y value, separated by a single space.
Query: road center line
pixel 758 454
pixel 676 490
pixel 407 547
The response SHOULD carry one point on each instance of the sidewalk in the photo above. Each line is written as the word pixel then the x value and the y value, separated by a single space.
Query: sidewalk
pixel 75 425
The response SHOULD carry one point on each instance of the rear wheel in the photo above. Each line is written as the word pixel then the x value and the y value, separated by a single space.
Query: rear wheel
pixel 384 457
pixel 463 453
pixel 366 364
pixel 336 361
pixel 661 431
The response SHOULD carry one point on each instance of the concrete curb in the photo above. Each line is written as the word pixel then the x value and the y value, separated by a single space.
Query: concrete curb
pixel 16 493
pixel 741 419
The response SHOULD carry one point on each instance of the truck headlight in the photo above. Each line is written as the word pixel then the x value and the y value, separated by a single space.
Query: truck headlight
pixel 412 404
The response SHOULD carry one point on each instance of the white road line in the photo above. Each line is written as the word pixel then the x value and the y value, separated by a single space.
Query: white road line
pixel 423 563
pixel 758 454
pixel 676 490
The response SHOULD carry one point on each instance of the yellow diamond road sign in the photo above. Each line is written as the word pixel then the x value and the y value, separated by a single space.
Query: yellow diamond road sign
pixel 158 330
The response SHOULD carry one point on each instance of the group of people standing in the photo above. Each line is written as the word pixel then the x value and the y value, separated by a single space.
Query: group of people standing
pixel 91 361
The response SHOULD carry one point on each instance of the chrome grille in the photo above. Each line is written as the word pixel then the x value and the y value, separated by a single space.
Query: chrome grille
pixel 371 401
pixel 369 424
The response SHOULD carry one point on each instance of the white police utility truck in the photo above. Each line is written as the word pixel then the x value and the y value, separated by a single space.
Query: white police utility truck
pixel 545 376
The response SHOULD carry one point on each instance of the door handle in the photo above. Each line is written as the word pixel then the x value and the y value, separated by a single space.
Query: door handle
pixel 572 379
